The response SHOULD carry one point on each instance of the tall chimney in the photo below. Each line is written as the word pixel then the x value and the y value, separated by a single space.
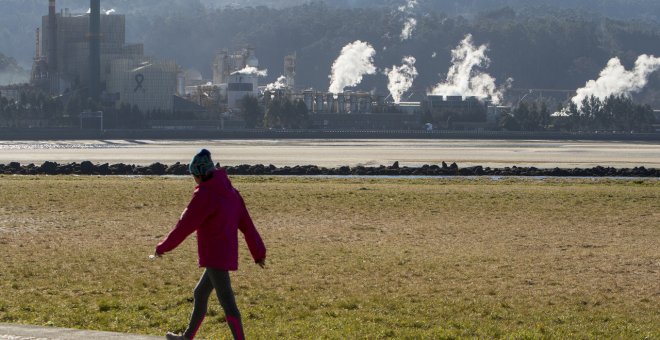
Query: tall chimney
pixel 95 49
pixel 37 42
pixel 52 46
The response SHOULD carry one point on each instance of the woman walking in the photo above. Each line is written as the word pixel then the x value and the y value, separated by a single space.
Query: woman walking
pixel 216 212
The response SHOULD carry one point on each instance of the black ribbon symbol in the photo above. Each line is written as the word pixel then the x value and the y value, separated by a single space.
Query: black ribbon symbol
pixel 139 79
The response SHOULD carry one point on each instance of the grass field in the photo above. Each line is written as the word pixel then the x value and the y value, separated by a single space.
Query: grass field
pixel 348 258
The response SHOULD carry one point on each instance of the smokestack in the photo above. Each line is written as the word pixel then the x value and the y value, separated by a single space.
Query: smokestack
pixel 37 53
pixel 94 49
pixel 52 46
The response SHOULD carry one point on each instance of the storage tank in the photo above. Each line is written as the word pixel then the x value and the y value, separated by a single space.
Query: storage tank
pixel 308 98
pixel 341 103
pixel 354 103
pixel 319 102
pixel 331 105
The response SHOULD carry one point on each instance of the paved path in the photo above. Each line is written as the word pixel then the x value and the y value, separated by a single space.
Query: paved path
pixel 18 332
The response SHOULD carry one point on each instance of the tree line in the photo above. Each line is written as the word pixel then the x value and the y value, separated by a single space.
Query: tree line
pixel 616 113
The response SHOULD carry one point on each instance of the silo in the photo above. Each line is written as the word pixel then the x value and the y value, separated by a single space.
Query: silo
pixel 354 103
pixel 319 102
pixel 331 105
pixel 308 98
pixel 341 103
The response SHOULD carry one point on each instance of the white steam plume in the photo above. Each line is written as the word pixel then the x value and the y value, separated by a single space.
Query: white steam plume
pixel 465 79
pixel 356 60
pixel 401 78
pixel 279 84
pixel 614 79
pixel 411 23
pixel 13 77
pixel 408 28
pixel 251 70
pixel 110 11
pixel 410 4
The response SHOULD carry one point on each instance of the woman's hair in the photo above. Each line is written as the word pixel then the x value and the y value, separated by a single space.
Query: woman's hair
pixel 206 176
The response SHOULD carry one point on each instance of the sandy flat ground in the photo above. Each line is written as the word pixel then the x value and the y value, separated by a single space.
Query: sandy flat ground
pixel 333 153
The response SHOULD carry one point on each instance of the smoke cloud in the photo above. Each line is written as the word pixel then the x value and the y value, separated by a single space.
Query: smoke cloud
pixel 408 28
pixel 410 4
pixel 401 78
pixel 251 70
pixel 279 84
pixel 464 77
pixel 13 77
pixel 355 61
pixel 615 79
pixel 411 23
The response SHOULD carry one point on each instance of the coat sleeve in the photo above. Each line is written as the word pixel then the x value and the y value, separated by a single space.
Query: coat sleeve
pixel 252 237
pixel 196 212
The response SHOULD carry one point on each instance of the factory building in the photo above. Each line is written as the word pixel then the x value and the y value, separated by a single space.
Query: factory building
pixel 148 84
pixel 241 85
pixel 462 113
pixel 290 70
pixel 226 63
pixel 454 102
pixel 347 102
pixel 87 53
pixel 67 46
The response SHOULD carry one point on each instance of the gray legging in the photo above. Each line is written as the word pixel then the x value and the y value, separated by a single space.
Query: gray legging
pixel 218 279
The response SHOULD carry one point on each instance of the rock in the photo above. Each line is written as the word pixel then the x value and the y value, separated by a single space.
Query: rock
pixel 87 168
pixel 49 168
pixel 344 170
pixel 177 169
pixel 121 169
pixel 395 165
pixel 466 172
pixel 157 169
pixel 104 169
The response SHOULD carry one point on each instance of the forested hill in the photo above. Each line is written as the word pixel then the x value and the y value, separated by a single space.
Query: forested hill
pixel 559 49
pixel 553 47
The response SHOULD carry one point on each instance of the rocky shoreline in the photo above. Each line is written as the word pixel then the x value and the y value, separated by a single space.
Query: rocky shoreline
pixel 158 169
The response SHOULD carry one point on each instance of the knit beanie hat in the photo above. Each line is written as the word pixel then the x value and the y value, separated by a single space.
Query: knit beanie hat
pixel 201 164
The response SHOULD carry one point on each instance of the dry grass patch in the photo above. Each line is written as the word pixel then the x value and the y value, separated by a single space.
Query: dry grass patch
pixel 348 258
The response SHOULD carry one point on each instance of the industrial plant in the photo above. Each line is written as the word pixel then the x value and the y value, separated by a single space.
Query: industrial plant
pixel 86 55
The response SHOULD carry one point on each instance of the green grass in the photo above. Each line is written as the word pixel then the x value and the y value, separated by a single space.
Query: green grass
pixel 348 258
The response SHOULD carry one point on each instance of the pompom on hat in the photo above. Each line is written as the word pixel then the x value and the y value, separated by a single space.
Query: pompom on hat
pixel 201 163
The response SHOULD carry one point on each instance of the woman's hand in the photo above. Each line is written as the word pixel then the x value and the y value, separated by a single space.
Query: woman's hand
pixel 262 263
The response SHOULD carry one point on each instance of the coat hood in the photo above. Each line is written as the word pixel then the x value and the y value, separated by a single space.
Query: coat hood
pixel 220 183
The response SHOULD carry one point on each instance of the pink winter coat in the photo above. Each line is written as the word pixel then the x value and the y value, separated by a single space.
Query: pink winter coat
pixel 216 212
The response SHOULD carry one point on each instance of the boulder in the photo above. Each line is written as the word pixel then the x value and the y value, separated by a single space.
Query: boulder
pixel 157 169
pixel 49 168
pixel 87 168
